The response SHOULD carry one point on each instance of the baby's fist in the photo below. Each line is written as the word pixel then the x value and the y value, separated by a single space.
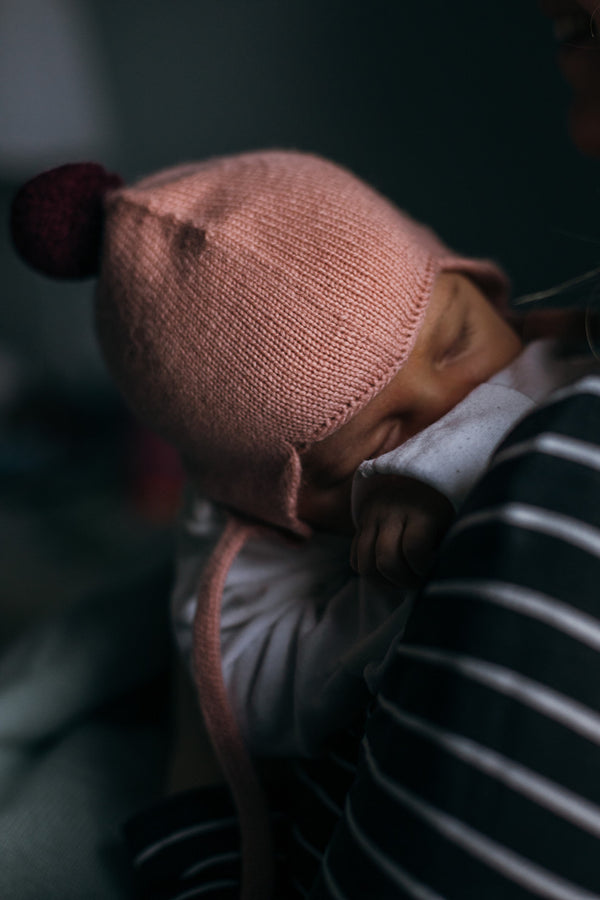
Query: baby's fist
pixel 400 525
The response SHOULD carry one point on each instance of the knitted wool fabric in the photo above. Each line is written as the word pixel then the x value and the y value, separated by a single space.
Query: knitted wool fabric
pixel 250 305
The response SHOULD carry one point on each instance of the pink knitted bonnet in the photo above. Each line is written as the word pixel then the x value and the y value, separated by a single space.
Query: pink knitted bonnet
pixel 247 306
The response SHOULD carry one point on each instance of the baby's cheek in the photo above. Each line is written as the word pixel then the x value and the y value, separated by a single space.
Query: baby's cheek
pixel 505 347
pixel 492 359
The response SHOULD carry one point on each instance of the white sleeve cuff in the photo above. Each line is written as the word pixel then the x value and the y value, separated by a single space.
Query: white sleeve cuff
pixel 454 452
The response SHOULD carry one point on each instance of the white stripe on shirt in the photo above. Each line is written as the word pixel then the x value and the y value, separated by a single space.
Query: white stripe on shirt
pixel 341 762
pixel 563 446
pixel 212 886
pixel 182 835
pixel 544 700
pixel 304 891
pixel 318 790
pixel 210 861
pixel 498 857
pixel 541 790
pixel 589 384
pixel 534 518
pixel 560 616
pixel 383 863
pixel 310 848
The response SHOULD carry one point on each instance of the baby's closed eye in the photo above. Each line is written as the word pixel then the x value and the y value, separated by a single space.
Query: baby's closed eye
pixel 458 344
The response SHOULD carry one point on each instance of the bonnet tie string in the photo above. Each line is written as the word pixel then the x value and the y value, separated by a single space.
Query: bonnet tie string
pixel 231 752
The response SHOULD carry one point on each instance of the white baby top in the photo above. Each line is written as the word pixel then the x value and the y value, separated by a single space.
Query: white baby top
pixel 302 636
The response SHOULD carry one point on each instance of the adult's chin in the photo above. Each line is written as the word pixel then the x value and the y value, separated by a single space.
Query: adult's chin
pixel 584 125
pixel 579 63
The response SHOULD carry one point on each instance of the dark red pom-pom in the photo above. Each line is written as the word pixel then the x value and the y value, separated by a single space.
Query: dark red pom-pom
pixel 57 219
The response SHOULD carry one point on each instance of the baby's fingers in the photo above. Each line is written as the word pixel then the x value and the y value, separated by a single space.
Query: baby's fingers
pixel 423 536
pixel 362 552
pixel 390 562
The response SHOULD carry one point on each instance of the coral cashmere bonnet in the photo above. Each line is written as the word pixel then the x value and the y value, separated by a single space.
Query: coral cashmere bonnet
pixel 247 307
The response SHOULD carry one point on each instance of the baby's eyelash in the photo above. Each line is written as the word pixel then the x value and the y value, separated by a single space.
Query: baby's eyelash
pixel 460 341
pixel 466 331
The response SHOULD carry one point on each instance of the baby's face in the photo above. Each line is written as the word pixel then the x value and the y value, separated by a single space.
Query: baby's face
pixel 463 341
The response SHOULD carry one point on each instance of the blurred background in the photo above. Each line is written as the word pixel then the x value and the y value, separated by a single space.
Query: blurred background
pixel 456 111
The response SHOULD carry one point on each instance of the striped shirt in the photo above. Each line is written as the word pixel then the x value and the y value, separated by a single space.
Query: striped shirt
pixel 479 764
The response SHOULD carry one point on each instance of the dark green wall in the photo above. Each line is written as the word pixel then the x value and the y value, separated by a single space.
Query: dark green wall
pixel 455 110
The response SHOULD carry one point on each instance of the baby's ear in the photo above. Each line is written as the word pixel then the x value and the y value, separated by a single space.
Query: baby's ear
pixel 57 218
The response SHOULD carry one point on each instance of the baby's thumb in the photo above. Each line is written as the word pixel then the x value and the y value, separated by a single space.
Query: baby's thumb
pixel 422 537
pixel 419 546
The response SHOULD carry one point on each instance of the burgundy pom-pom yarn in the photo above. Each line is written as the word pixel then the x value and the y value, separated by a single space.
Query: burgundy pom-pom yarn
pixel 57 218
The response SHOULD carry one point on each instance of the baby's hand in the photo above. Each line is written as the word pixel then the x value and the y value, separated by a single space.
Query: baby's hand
pixel 401 523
